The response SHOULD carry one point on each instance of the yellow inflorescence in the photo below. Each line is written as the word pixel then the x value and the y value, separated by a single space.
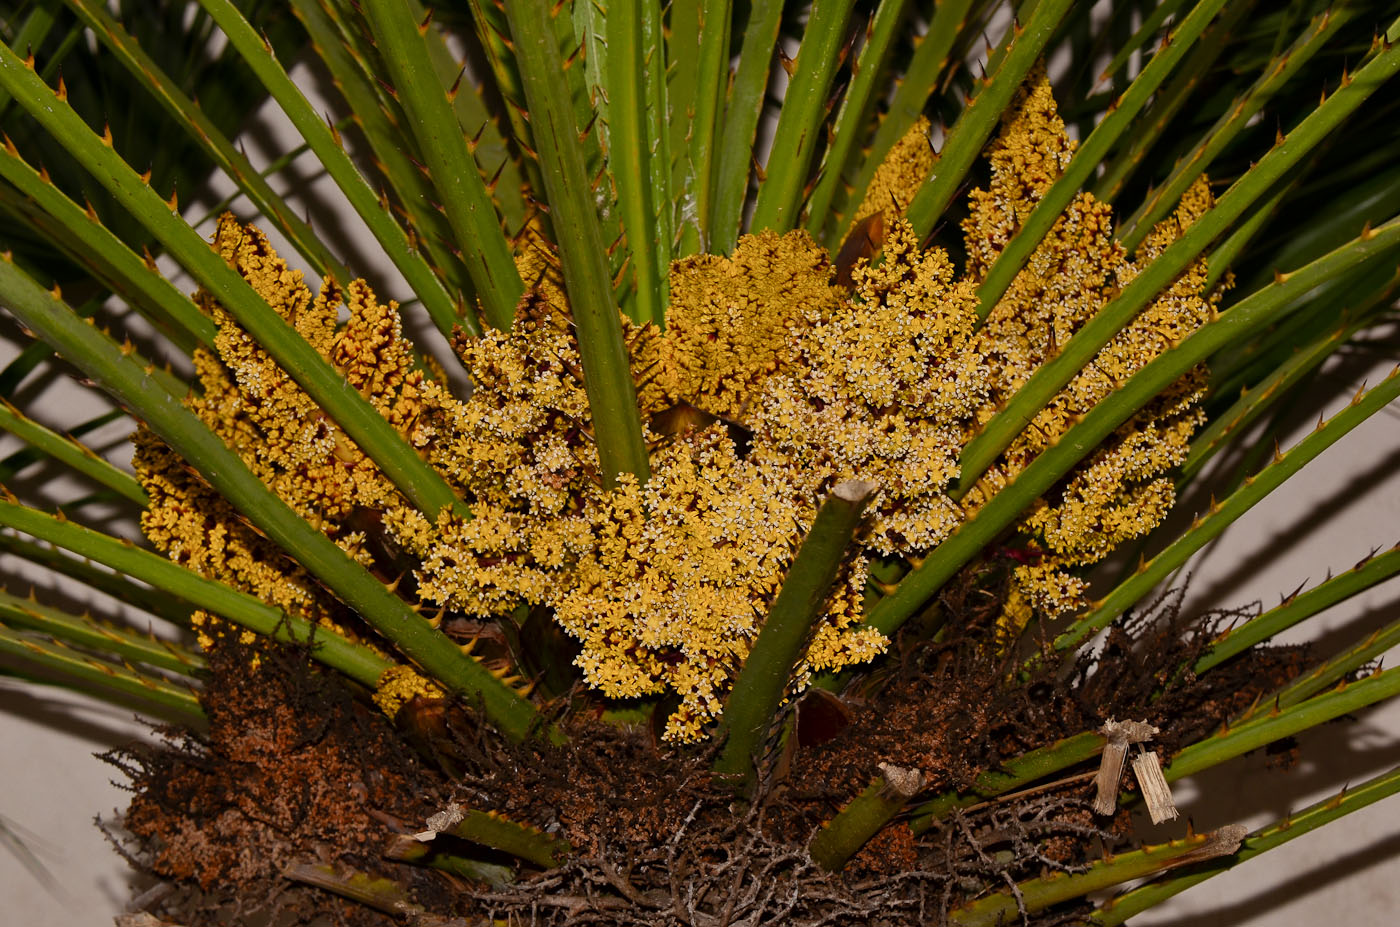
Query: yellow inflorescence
pixel 899 176
pixel 732 321
pixel 665 584
pixel 399 685
pixel 882 391
pixel 1120 492
pixel 682 572
pixel 1027 157
pixel 281 434
pixel 519 449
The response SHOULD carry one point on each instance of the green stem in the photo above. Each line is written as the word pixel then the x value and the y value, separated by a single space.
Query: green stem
pixel 1278 723
pixel 1143 35
pixel 842 837
pixel 612 396
pixel 1222 514
pixel 758 691
pixel 1022 46
pixel 32 33
pixel 1257 454
pixel 1310 321
pixel 119 586
pixel 1305 359
pixel 72 453
pixel 123 680
pixel 370 109
pixel 1248 316
pixel 492 30
pixel 361 421
pixel 660 153
pixel 1025 769
pixel 274 167
pixel 112 261
pixel 730 182
pixel 1296 608
pixel 591 22
pixel 800 121
pixel 1167 101
pixel 489 146
pixel 16 461
pixel 1036 895
pixel 326 144
pixel 711 81
pixel 634 151
pixel 1233 121
pixel 915 86
pixel 1222 257
pixel 491 830
pixel 202 130
pixel 376 892
pixel 104 638
pixel 1117 910
pixel 354 660
pixel 1334 670
pixel 452 170
pixel 406 849
pixel 1121 117
pixel 1056 373
pixel 1350 207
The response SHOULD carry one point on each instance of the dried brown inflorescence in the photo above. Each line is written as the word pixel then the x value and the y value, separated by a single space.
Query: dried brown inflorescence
pixel 293 767
pixel 296 769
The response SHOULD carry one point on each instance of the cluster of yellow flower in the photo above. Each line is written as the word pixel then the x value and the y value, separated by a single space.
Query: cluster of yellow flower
pixel 519 452
pixel 1121 492
pixel 664 585
pixel 899 176
pixel 734 321
pixel 883 390
pixel 250 402
pixel 792 383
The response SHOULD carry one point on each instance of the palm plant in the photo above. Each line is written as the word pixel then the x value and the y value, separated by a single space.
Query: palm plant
pixel 730 541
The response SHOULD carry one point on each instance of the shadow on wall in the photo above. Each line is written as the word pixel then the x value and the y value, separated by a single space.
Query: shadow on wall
pixel 1380 857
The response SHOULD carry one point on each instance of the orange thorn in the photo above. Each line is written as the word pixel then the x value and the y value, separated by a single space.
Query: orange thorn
pixel 789 64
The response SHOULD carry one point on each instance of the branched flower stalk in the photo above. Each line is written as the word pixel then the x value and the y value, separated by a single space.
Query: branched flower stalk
pixel 718 534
